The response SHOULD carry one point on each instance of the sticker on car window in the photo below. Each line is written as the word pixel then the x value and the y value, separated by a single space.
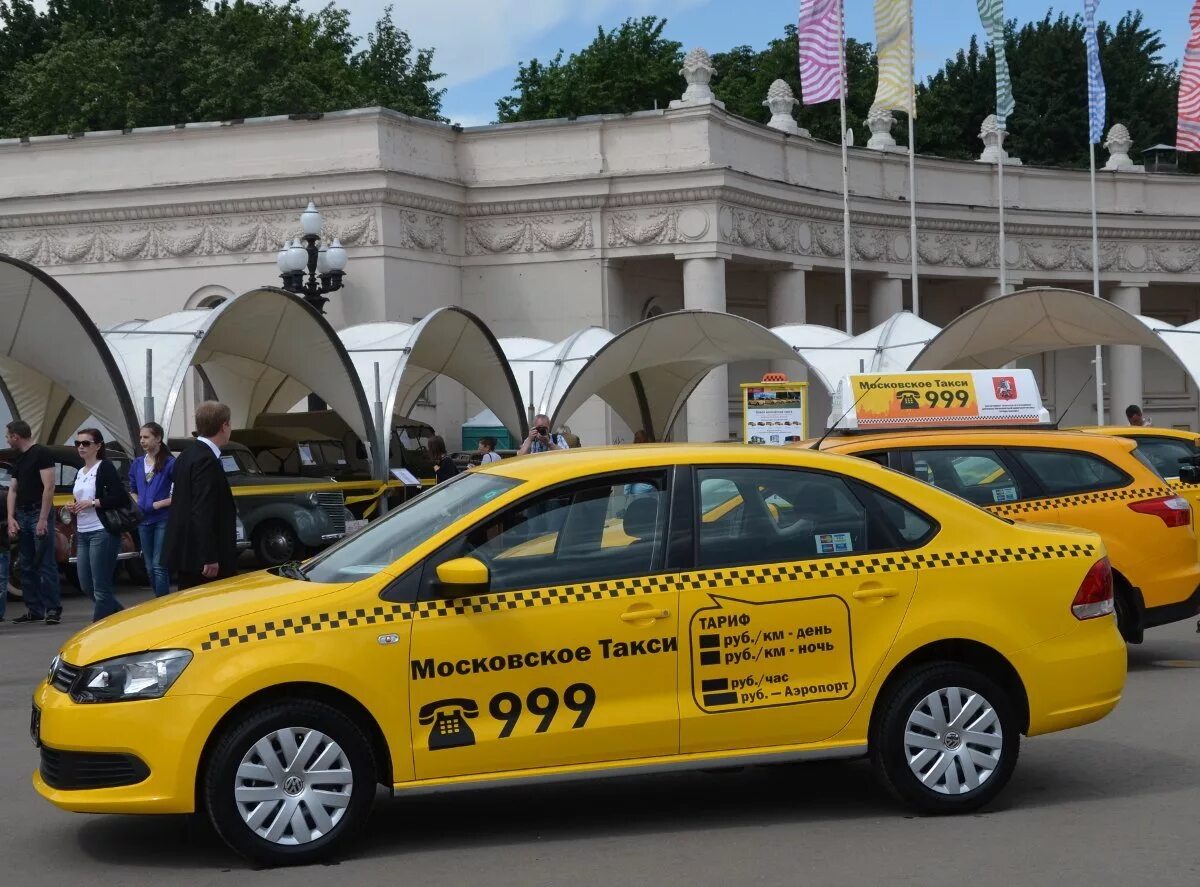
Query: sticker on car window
pixel 1004 494
pixel 833 543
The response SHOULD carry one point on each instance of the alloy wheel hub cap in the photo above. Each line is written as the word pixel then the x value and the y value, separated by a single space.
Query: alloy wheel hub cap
pixel 953 741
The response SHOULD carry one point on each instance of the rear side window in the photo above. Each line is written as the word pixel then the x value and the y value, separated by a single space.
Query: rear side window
pixel 1066 471
pixel 978 475
pixel 1165 454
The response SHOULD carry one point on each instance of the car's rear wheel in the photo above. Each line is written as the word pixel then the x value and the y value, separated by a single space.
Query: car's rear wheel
pixel 276 543
pixel 945 739
pixel 291 783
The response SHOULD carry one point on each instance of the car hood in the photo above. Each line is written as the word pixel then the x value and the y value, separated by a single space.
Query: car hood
pixel 158 622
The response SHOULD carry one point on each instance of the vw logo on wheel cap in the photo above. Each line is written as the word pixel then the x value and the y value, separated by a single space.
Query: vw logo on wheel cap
pixel 293 785
pixel 951 740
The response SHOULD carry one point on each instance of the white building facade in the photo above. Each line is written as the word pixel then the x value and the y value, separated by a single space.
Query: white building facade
pixel 545 228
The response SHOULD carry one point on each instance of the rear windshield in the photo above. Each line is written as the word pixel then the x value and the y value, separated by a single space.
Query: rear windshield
pixel 1165 454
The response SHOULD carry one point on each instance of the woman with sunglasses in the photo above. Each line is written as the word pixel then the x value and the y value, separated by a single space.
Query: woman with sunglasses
pixel 97 485
pixel 151 478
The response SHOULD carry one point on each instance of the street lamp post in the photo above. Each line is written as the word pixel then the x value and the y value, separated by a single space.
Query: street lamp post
pixel 326 266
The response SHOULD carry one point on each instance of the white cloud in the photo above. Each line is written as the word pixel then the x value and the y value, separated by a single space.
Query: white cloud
pixel 474 38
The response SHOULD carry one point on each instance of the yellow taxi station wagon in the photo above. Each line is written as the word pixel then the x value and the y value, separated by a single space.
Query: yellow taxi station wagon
pixel 592 612
pixel 1017 465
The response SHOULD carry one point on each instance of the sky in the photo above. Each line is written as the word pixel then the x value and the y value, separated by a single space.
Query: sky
pixel 479 43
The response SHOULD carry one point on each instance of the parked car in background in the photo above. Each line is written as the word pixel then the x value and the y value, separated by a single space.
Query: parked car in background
pixel 285 518
pixel 66 464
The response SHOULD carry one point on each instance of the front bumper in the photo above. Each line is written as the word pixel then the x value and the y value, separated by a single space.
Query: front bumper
pixel 1073 679
pixel 166 736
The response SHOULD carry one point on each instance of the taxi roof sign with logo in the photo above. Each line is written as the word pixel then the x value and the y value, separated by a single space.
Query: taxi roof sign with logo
pixel 937 399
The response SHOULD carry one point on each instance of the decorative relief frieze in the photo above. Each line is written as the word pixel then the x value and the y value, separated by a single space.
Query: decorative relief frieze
pixel 422 231
pixel 537 234
pixel 643 229
pixel 173 240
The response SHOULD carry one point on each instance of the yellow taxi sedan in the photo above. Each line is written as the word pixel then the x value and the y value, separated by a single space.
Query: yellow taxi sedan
pixel 834 609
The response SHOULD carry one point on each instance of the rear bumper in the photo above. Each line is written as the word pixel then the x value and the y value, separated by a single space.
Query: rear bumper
pixel 1073 679
pixel 1188 609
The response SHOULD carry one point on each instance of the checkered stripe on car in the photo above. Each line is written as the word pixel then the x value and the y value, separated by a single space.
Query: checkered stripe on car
pixel 702 580
pixel 1029 506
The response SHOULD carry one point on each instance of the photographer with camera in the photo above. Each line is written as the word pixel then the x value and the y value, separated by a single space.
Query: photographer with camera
pixel 540 440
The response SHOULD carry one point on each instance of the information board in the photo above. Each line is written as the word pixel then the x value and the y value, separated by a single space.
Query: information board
pixel 774 413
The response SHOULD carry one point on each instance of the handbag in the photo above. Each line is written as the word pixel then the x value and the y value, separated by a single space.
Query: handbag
pixel 122 519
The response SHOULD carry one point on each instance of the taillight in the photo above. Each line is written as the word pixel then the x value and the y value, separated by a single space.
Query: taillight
pixel 1174 510
pixel 1095 595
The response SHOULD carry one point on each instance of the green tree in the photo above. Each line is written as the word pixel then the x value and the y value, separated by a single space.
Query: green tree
pixel 100 64
pixel 627 69
pixel 744 75
pixel 1048 67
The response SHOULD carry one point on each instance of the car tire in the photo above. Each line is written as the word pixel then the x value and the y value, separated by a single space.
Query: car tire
pixel 926 757
pixel 297 821
pixel 276 543
pixel 135 569
pixel 1128 623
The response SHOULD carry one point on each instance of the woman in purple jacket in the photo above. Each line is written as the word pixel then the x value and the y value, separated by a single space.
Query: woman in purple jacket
pixel 151 478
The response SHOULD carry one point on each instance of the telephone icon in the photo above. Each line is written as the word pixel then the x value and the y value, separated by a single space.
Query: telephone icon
pixel 909 399
pixel 448 720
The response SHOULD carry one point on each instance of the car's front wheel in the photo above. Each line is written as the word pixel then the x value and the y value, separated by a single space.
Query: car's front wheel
pixel 276 543
pixel 290 783
pixel 945 739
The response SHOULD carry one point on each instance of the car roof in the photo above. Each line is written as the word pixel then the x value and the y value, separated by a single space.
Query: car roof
pixel 1142 431
pixel 966 436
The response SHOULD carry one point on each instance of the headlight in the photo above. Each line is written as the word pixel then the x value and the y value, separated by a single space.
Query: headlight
pixel 53 667
pixel 141 676
pixel 312 499
pixel 64 516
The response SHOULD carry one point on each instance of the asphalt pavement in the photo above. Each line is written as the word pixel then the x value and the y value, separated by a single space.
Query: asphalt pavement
pixel 1114 803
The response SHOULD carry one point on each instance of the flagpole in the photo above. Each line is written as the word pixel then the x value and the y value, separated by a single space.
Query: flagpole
pixel 1000 134
pixel 845 171
pixel 912 164
pixel 1096 283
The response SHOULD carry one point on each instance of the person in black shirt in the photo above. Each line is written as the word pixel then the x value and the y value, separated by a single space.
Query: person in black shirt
pixel 30 501
pixel 443 466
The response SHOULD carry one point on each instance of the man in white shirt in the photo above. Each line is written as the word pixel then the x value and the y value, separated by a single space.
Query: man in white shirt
pixel 540 440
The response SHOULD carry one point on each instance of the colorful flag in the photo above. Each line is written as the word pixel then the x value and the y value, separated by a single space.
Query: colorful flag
pixel 1187 137
pixel 991 13
pixel 820 33
pixel 893 37
pixel 1097 94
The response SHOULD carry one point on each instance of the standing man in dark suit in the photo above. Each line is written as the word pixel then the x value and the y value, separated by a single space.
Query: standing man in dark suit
pixel 201 540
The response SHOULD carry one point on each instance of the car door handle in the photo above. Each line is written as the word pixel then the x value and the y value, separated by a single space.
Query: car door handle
pixel 875 593
pixel 643 615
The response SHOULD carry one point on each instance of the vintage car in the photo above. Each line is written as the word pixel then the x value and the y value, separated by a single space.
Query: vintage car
pixel 66 464
pixel 285 518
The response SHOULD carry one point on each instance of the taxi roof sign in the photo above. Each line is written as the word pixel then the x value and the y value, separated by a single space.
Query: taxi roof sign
pixel 937 399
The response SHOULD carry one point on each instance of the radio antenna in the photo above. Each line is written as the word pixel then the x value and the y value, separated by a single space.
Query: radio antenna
pixel 829 430
pixel 1058 421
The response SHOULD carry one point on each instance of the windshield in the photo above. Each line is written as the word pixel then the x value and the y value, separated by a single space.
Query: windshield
pixel 239 462
pixel 383 543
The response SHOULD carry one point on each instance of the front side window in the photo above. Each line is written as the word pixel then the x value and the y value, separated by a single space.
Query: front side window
pixel 785 515
pixel 1062 472
pixel 386 541
pixel 977 475
pixel 606 528
pixel 1165 453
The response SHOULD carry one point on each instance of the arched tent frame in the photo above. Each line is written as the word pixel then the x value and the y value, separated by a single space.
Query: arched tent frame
pixel 647 372
pixel 450 341
pixel 56 365
pixel 554 366
pixel 250 347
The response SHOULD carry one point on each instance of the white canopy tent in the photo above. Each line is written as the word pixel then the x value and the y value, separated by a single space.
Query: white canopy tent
pixel 831 355
pixel 545 373
pixel 252 348
pixel 1033 321
pixel 647 372
pixel 54 363
pixel 449 341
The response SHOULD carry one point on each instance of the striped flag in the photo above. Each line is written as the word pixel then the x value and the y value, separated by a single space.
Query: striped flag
pixel 1097 95
pixel 991 13
pixel 893 37
pixel 1187 137
pixel 820 33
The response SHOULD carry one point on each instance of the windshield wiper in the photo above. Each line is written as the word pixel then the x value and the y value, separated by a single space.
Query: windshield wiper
pixel 292 570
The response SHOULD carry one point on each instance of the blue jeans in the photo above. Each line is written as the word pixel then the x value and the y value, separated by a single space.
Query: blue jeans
pixel 96 561
pixel 39 567
pixel 153 536
pixel 3 577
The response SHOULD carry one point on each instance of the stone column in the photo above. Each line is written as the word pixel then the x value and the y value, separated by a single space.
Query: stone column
pixel 992 289
pixel 1124 361
pixel 886 299
pixel 787 304
pixel 708 407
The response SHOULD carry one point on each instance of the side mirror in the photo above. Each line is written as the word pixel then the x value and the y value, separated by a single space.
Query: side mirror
pixel 463 576
pixel 1189 474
